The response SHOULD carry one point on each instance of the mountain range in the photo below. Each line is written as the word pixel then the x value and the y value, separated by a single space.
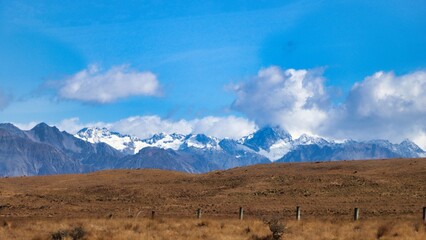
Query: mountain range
pixel 47 150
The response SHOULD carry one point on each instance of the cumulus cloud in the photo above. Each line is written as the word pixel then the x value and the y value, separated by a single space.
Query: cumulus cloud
pixel 146 126
pixel 294 99
pixel 94 85
pixel 224 127
pixel 221 127
pixel 383 105
pixel 73 125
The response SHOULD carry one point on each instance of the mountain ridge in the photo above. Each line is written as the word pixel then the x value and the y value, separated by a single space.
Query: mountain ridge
pixel 271 142
pixel 47 150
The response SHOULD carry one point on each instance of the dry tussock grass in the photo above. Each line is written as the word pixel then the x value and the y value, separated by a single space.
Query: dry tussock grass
pixel 379 188
pixel 209 229
pixel 116 204
pixel 136 229
pixel 349 230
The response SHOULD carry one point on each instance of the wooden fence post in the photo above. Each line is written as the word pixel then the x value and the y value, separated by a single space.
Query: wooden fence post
pixel 152 214
pixel 356 214
pixel 298 213
pixel 241 213
pixel 198 213
pixel 424 214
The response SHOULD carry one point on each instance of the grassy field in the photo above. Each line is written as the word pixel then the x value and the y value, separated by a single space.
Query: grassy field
pixel 117 204
pixel 208 229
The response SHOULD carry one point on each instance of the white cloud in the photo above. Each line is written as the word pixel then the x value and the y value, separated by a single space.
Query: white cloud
pixel 385 95
pixel 73 125
pixel 223 127
pixel 94 85
pixel 293 99
pixel 146 126
pixel 383 106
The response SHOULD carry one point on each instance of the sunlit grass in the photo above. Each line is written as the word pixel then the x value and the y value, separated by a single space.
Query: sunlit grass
pixel 183 228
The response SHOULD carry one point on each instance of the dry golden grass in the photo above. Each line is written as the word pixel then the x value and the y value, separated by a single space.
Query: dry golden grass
pixel 223 229
pixel 389 193
pixel 360 230
pixel 380 188
pixel 137 229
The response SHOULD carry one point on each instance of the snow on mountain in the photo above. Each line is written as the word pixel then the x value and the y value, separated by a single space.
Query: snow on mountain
pixel 132 145
pixel 276 150
pixel 123 143
pixel 200 141
pixel 408 146
pixel 161 140
pixel 47 150
pixel 271 142
pixel 266 137
pixel 305 139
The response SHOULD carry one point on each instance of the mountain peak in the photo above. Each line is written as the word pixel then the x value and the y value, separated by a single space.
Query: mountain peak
pixel 11 129
pixel 275 131
pixel 44 125
pixel 93 131
pixel 8 126
pixel 408 144
pixel 42 132
pixel 267 136
pixel 158 136
pixel 124 143
pixel 201 141
pixel 306 139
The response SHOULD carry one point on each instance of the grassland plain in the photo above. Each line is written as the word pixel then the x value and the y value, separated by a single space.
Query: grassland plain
pixel 116 204
pixel 227 229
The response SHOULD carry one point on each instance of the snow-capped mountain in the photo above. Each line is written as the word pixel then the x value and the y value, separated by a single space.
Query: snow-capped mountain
pixel 161 140
pixel 271 142
pixel 47 150
pixel 124 143
pixel 132 145
pixel 275 142
pixel 200 141
pixel 305 139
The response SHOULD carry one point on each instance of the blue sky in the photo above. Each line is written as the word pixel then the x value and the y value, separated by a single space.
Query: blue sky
pixel 206 57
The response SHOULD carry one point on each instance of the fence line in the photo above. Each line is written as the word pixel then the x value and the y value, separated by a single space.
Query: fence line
pixel 356 213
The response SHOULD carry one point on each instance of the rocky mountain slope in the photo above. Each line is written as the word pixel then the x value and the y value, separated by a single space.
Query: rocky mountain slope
pixel 272 143
pixel 47 150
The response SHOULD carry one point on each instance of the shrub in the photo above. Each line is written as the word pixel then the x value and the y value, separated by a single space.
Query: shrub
pixel 203 224
pixel 77 233
pixel 383 230
pixel 59 235
pixel 277 228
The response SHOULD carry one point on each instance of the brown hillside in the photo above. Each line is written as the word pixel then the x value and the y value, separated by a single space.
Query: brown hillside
pixel 380 188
